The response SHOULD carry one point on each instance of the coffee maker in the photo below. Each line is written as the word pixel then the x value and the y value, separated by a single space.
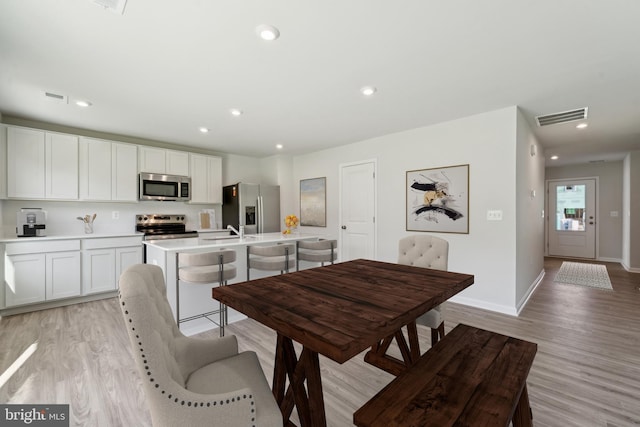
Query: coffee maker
pixel 31 222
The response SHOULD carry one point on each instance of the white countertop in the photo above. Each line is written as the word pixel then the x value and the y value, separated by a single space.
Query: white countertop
pixel 195 243
pixel 13 238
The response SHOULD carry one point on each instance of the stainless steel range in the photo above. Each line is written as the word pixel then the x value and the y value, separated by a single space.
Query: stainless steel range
pixel 163 226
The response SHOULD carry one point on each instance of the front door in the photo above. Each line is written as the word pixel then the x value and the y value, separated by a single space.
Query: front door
pixel 572 218
pixel 357 210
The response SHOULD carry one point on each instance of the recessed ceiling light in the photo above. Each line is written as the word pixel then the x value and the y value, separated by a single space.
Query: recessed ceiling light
pixel 279 146
pixel 235 112
pixel 204 130
pixel 267 32
pixel 582 125
pixel 368 90
pixel 554 157
pixel 83 103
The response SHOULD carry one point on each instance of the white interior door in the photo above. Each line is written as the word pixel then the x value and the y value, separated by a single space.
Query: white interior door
pixel 572 218
pixel 357 210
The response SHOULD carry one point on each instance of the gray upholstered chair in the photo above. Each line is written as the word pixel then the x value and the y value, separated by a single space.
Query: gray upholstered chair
pixel 280 257
pixel 205 268
pixel 321 251
pixel 428 252
pixel 190 381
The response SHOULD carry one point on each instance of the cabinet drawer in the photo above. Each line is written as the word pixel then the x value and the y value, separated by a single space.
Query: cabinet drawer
pixel 111 242
pixel 38 247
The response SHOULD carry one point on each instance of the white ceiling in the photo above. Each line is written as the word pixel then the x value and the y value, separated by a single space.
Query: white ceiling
pixel 165 68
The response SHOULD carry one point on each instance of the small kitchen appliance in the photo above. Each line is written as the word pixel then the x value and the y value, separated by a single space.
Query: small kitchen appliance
pixel 31 222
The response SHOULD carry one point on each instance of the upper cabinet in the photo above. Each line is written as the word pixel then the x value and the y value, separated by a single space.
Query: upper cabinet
pixel 3 162
pixel 160 160
pixel 108 170
pixel 206 179
pixel 41 165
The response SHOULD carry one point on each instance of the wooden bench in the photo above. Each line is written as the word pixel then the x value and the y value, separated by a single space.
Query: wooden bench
pixel 471 377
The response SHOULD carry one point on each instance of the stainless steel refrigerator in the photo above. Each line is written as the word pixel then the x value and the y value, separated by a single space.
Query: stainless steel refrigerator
pixel 254 206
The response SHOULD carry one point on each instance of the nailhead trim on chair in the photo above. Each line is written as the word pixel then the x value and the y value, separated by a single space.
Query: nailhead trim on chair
pixel 195 404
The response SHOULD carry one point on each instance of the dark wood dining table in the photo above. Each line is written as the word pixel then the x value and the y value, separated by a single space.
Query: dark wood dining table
pixel 338 311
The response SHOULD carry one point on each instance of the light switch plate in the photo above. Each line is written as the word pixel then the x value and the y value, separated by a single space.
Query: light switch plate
pixel 494 215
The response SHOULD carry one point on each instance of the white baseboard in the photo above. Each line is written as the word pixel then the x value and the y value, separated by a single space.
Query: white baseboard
pixel 630 269
pixel 604 259
pixel 511 311
pixel 523 301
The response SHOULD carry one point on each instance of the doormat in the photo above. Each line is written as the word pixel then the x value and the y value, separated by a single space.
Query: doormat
pixel 580 273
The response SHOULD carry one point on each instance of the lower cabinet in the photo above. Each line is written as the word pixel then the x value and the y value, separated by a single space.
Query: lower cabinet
pixel 38 272
pixel 103 260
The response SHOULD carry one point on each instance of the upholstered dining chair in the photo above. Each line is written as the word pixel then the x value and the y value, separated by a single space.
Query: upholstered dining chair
pixel 205 268
pixel 321 250
pixel 190 381
pixel 278 257
pixel 428 252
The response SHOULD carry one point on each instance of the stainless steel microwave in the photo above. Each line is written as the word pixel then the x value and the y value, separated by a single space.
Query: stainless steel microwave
pixel 154 186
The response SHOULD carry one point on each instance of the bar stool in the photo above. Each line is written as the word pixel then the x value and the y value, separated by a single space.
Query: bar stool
pixel 316 251
pixel 280 257
pixel 204 269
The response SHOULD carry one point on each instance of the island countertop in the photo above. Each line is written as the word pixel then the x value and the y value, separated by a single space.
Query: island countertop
pixel 205 242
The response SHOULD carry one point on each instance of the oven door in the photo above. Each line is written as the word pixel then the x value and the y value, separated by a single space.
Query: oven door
pixel 159 187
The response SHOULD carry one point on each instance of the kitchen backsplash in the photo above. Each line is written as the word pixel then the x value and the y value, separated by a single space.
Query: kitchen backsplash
pixel 61 216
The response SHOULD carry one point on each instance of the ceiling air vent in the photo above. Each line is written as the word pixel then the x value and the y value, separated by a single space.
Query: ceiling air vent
pixel 55 97
pixel 566 116
pixel 116 6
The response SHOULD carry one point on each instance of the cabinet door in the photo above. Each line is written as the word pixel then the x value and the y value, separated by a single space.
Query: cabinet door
pixel 126 257
pixel 3 162
pixel 25 163
pixel 62 275
pixel 61 166
pixel 152 159
pixel 215 180
pixel 124 176
pixel 95 169
pixel 98 271
pixel 24 279
pixel 177 163
pixel 199 178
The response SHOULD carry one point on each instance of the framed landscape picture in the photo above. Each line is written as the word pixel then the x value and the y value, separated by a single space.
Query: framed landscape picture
pixel 438 199
pixel 313 202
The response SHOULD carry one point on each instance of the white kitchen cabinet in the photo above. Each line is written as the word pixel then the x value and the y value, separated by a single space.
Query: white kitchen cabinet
pixel 25 163
pixel 41 165
pixel 61 167
pixel 3 162
pixel 41 271
pixel 25 279
pixel 160 160
pixel 62 275
pixel 206 179
pixel 104 259
pixel 108 170
pixel 124 172
pixel 98 271
pixel 95 169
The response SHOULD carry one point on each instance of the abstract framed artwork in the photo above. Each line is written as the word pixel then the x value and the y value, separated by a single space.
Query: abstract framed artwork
pixel 438 199
pixel 313 202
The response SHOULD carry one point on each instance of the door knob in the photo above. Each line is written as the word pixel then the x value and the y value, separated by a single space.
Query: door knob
pixel 344 227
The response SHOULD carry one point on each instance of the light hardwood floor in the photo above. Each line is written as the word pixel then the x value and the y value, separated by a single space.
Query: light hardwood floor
pixel 586 372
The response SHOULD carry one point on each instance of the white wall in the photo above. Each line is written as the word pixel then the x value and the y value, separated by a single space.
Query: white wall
pixel 529 199
pixel 487 142
pixel 633 211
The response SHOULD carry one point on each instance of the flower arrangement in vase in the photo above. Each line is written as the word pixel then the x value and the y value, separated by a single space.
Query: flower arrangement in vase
pixel 291 222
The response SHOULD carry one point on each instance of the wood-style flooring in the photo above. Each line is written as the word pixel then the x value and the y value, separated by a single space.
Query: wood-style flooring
pixel 586 372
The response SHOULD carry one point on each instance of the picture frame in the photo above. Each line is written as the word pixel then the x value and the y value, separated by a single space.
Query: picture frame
pixel 313 202
pixel 438 199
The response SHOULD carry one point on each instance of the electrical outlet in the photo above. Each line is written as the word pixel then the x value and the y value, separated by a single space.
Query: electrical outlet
pixel 115 215
pixel 494 215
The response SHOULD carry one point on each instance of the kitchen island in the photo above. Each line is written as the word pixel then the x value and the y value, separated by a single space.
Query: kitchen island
pixel 197 298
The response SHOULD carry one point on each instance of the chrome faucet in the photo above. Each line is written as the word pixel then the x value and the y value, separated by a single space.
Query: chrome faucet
pixel 239 233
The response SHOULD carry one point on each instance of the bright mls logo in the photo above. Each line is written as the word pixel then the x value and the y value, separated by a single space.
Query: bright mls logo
pixel 34 415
